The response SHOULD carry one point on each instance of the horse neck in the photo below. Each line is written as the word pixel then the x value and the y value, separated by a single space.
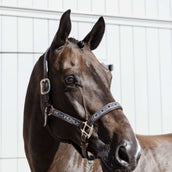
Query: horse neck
pixel 32 100
pixel 34 132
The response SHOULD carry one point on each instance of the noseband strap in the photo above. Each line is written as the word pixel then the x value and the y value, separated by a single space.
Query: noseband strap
pixel 85 127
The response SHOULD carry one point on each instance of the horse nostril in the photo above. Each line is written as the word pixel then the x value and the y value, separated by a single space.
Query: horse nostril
pixel 122 156
pixel 128 154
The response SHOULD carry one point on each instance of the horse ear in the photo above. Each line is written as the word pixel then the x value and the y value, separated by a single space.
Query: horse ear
pixel 95 35
pixel 63 31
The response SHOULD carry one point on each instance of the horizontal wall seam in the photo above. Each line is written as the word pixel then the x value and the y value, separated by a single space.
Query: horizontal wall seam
pixel 20 52
pixel 85 17
pixel 4 158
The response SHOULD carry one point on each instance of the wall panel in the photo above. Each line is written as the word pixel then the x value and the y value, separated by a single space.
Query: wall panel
pixel 25 3
pixel 98 6
pixel 40 35
pixel 170 6
pixel 165 41
pixel 9 105
pixel 0 88
pixel 9 2
pixel 113 56
pixel 154 85
pixel 127 73
pixel 55 4
pixel 68 4
pixel 52 29
pixel 160 9
pixel 8 165
pixel 36 57
pixel 40 4
pixel 151 8
pixel 23 165
pixel 84 6
pixel 125 7
pixel 164 9
pixel 139 49
pixel 140 75
pixel 139 8
pixel 101 51
pixel 25 65
pixel 25 35
pixel 83 29
pixel 9 36
pixel 74 32
pixel 112 7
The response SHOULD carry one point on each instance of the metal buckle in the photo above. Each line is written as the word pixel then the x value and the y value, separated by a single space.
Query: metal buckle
pixel 43 81
pixel 46 111
pixel 86 126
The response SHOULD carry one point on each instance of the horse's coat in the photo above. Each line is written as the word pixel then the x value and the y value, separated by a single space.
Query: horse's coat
pixel 80 86
pixel 156 156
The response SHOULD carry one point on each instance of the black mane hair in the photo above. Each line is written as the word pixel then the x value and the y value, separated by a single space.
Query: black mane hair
pixel 79 43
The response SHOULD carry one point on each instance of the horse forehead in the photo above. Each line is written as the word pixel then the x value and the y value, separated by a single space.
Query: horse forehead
pixel 83 59
pixel 70 57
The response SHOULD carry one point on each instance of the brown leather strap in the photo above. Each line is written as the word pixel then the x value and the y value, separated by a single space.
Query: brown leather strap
pixel 84 145
pixel 45 82
pixel 64 116
pixel 92 119
pixel 103 111
pixel 45 87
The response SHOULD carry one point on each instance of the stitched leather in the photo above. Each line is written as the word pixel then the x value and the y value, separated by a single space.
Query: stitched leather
pixel 103 111
pixel 64 116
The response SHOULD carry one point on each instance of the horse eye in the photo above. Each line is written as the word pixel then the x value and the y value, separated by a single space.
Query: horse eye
pixel 70 80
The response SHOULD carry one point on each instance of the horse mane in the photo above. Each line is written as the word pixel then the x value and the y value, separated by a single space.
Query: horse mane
pixel 73 40
pixel 79 43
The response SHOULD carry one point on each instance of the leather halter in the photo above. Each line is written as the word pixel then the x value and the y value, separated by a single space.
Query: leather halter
pixel 86 127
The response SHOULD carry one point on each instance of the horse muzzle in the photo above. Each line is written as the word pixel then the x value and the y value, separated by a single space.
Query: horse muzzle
pixel 125 157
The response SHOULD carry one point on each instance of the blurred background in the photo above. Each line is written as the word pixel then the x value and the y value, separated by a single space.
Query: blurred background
pixel 137 41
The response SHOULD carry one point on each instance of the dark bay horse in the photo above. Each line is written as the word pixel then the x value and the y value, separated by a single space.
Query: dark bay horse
pixel 156 157
pixel 69 100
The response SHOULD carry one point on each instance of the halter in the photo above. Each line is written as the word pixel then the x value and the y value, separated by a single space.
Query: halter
pixel 86 127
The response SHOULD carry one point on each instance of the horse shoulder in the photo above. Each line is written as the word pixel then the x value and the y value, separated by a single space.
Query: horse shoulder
pixel 154 140
pixel 156 153
pixel 68 159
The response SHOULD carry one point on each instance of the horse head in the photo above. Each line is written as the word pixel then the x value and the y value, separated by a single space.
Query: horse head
pixel 80 87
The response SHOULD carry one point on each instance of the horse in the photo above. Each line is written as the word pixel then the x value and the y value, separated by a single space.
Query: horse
pixel 156 157
pixel 68 100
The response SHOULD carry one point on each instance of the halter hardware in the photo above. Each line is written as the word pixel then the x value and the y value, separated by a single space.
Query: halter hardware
pixel 87 127
pixel 45 86
pixel 47 111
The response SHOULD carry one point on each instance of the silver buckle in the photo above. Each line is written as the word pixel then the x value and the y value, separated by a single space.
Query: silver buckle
pixel 86 126
pixel 46 111
pixel 41 86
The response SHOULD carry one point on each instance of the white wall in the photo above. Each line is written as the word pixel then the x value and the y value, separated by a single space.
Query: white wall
pixel 138 41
